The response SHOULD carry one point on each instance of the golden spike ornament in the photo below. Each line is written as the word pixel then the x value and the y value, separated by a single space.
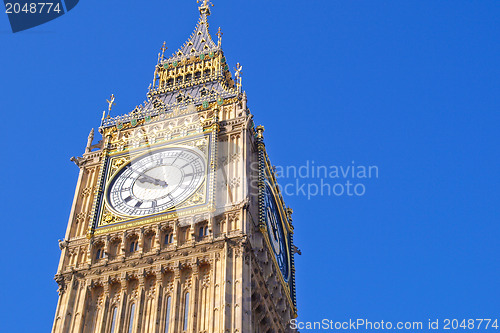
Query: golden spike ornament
pixel 219 35
pixel 205 3
pixel 163 49
pixel 111 102
pixel 237 75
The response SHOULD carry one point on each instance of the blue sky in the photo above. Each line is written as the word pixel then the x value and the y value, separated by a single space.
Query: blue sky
pixel 411 87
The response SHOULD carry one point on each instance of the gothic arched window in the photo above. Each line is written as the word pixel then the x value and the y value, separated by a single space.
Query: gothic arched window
pixel 113 320
pixel 99 254
pixel 167 313
pixel 131 318
pixel 203 231
pixel 133 246
pixel 186 312
pixel 169 237
pixel 148 241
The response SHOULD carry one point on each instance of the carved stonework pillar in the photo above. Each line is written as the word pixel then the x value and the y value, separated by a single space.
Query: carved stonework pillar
pixel 122 307
pixel 140 301
pixel 89 252
pixel 141 241
pixel 195 292
pixel 175 233
pixel 237 287
pixel 192 233
pixel 81 307
pixel 123 246
pixel 211 228
pixel 157 298
pixel 66 313
pixel 157 245
pixel 106 248
pixel 176 297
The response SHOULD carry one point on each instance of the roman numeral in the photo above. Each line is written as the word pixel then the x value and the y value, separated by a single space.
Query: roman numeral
pixel 176 157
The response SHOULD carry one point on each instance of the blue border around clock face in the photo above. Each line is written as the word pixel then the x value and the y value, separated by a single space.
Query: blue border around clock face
pixel 275 232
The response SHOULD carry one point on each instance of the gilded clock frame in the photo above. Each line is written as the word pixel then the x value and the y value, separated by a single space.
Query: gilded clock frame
pixel 116 221
pixel 267 174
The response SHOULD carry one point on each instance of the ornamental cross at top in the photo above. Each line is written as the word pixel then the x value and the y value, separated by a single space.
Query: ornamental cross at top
pixel 219 34
pixel 205 2
pixel 204 8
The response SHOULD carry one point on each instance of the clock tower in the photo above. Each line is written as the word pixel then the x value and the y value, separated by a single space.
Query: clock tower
pixel 177 224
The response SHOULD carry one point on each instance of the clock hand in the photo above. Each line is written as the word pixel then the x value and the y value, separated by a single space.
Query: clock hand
pixel 161 183
pixel 148 179
pixel 145 178
pixel 274 224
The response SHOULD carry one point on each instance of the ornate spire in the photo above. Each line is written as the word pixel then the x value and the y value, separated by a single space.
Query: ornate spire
pixel 200 40
pixel 197 75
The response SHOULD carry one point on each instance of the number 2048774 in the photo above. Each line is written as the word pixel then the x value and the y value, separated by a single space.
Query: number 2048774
pixel 32 8
pixel 470 324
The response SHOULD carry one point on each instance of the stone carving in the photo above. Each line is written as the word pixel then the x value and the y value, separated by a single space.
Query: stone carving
pixel 79 161
pixel 63 243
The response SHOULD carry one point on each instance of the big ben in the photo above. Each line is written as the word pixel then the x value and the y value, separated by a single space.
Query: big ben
pixel 178 223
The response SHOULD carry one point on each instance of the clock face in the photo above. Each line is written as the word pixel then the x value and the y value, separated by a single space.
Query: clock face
pixel 275 231
pixel 156 182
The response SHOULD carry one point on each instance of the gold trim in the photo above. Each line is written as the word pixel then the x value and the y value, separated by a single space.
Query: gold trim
pixel 189 142
pixel 269 177
pixel 285 284
pixel 286 236
pixel 167 216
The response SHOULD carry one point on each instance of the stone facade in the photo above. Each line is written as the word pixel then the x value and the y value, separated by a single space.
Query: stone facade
pixel 205 269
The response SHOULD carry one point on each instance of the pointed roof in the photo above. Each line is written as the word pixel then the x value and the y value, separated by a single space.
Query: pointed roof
pixel 193 88
pixel 200 40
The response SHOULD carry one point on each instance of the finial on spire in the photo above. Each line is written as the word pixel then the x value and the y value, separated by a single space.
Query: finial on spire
pixel 111 102
pixel 88 148
pixel 219 34
pixel 205 6
pixel 237 76
pixel 163 49
pixel 260 132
